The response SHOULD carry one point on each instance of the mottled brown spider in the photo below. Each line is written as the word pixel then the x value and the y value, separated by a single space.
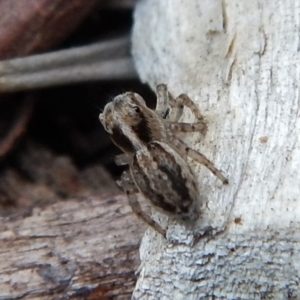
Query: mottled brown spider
pixel 155 155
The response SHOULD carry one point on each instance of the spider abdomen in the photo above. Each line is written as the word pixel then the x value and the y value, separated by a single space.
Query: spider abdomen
pixel 166 179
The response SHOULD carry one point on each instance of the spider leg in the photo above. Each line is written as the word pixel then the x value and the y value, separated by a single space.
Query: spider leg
pixel 188 127
pixel 184 100
pixel 177 109
pixel 162 104
pixel 199 157
pixel 165 101
pixel 128 186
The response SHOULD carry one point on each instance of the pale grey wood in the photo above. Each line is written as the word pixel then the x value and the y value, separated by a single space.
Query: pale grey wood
pixel 240 62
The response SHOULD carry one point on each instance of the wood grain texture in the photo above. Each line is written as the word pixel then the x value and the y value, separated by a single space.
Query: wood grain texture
pixel 78 249
pixel 239 60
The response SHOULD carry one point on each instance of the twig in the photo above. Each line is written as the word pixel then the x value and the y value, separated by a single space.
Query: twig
pixel 95 52
pixel 108 70
pixel 19 127
pixel 101 61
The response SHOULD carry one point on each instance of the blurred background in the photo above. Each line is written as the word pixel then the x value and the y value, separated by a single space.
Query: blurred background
pixel 52 145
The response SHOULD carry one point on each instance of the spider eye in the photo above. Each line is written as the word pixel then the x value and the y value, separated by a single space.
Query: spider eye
pixel 137 109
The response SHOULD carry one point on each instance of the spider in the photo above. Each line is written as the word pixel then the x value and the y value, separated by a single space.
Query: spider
pixel 155 155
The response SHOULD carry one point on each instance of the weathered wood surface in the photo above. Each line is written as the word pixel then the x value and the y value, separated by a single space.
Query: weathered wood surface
pixel 240 61
pixel 84 248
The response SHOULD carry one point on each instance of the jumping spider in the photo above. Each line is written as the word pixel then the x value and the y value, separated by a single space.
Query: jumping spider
pixel 156 156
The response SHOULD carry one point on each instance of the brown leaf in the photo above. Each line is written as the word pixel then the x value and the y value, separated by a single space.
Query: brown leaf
pixel 36 25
